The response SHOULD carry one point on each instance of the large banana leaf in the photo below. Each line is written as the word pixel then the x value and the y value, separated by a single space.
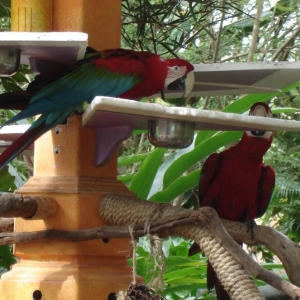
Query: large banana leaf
pixel 142 181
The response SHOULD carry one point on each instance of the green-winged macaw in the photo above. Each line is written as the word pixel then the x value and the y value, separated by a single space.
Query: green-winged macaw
pixel 237 184
pixel 120 73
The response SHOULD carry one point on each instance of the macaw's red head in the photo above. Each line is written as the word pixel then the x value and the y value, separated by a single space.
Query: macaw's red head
pixel 258 141
pixel 180 75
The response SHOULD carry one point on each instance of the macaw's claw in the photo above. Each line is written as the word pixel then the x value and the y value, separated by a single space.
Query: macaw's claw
pixel 251 227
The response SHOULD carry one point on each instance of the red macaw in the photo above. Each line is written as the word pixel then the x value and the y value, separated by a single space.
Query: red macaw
pixel 237 184
pixel 116 73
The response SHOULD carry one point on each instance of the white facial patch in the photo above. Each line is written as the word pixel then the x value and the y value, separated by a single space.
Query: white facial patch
pixel 260 111
pixel 189 82
pixel 174 73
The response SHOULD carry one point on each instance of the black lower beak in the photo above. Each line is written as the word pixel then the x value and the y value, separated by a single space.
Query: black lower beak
pixel 178 84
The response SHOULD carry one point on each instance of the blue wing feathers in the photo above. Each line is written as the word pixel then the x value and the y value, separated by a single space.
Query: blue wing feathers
pixel 61 96
pixel 65 96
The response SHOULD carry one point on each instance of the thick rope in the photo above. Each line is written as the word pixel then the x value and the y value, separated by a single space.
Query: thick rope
pixel 125 211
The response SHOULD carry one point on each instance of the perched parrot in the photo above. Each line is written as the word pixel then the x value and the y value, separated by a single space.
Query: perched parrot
pixel 237 184
pixel 116 73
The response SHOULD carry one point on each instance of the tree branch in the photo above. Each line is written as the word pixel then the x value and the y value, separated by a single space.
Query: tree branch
pixel 284 248
pixel 255 30
pixel 6 224
pixel 29 207
pixel 14 205
pixel 286 43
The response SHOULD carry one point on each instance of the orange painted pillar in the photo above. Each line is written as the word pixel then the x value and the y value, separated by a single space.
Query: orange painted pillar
pixel 99 18
pixel 64 170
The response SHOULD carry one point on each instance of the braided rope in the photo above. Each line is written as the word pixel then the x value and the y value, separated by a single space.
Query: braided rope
pixel 125 211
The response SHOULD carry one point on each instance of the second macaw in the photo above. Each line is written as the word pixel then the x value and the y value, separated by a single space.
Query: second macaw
pixel 237 184
pixel 120 73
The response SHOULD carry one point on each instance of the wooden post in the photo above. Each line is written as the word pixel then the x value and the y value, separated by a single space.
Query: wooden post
pixel 99 18
pixel 31 15
pixel 64 170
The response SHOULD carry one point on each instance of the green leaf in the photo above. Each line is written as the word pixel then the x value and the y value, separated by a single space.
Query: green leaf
pixel 157 182
pixel 4 11
pixel 176 261
pixel 4 172
pixel 139 131
pixel 178 187
pixel 129 160
pixel 7 256
pixel 271 266
pixel 20 77
pixel 244 103
pixel 186 287
pixel 6 183
pixel 279 110
pixel 6 180
pixel 184 272
pixel 281 8
pixel 188 280
pixel 179 247
pixel 143 267
pixel 10 84
pixel 142 181
pixel 19 181
pixel 125 178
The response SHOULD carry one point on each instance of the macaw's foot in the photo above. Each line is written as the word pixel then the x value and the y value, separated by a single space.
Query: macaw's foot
pixel 251 227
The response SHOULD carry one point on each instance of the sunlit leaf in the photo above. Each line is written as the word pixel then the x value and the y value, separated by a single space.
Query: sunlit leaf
pixel 142 181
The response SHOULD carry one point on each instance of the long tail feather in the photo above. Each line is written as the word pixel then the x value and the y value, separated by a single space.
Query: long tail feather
pixel 20 144
pixel 44 123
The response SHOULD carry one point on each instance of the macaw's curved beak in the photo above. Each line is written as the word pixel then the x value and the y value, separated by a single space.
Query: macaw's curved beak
pixel 185 83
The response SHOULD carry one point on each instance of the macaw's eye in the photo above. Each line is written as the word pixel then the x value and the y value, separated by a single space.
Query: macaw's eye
pixel 259 134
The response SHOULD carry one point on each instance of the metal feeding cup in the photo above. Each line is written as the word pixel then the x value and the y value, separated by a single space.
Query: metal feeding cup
pixel 167 133
pixel 9 61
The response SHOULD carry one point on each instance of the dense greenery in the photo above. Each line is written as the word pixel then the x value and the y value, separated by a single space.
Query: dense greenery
pixel 216 31
pixel 207 32
pixel 201 32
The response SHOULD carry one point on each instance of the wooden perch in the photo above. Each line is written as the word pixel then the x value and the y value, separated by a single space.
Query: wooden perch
pixel 283 247
pixel 6 224
pixel 166 227
pixel 28 207
pixel 14 205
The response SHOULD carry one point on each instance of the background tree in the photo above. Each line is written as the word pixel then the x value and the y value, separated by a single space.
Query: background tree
pixel 215 31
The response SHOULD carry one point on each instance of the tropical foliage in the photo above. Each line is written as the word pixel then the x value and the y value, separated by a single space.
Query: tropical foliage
pixel 208 32
pixel 216 31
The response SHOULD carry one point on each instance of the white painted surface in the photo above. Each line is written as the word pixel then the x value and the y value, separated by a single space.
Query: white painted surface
pixel 105 111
